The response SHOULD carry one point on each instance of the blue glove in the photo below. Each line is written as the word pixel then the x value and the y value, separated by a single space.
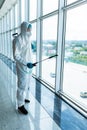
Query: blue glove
pixel 30 65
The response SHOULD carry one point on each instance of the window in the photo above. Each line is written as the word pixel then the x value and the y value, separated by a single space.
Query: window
pixel 16 15
pixel 71 1
pixel 49 6
pixel 4 23
pixel 75 65
pixel 49 37
pixel 7 22
pixel 22 10
pixel 34 45
pixel 0 34
pixel 12 18
pixel 0 25
pixel 33 9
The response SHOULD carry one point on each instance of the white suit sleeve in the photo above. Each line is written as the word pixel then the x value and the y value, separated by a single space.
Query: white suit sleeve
pixel 16 53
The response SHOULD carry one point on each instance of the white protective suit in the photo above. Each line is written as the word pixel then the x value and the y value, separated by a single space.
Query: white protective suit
pixel 22 54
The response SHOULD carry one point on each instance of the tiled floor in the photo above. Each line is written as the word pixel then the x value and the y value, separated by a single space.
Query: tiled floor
pixel 46 110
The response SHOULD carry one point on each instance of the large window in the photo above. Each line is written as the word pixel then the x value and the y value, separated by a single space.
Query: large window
pixel 75 65
pixel 49 37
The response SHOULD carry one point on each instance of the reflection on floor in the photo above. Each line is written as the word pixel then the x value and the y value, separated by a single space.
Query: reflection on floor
pixel 46 110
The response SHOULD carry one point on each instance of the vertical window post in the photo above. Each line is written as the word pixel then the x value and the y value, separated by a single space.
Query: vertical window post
pixel 60 50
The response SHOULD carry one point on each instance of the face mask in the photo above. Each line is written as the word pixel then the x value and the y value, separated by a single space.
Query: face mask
pixel 28 34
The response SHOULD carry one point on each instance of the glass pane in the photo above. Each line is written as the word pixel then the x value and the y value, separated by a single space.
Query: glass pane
pixel 0 35
pixel 33 9
pixel 75 65
pixel 12 15
pixel 71 1
pixel 0 45
pixel 49 6
pixel 4 20
pixel 7 26
pixel 34 45
pixel 16 15
pixel 0 27
pixel 22 10
pixel 49 49
pixel 4 52
pixel 8 44
pixel 12 32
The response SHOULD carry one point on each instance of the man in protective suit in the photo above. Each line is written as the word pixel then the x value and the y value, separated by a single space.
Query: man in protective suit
pixel 22 54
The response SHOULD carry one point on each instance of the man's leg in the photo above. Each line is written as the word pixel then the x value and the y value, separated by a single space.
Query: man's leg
pixel 28 88
pixel 21 90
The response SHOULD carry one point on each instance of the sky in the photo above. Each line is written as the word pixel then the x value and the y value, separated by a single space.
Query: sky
pixel 76 28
